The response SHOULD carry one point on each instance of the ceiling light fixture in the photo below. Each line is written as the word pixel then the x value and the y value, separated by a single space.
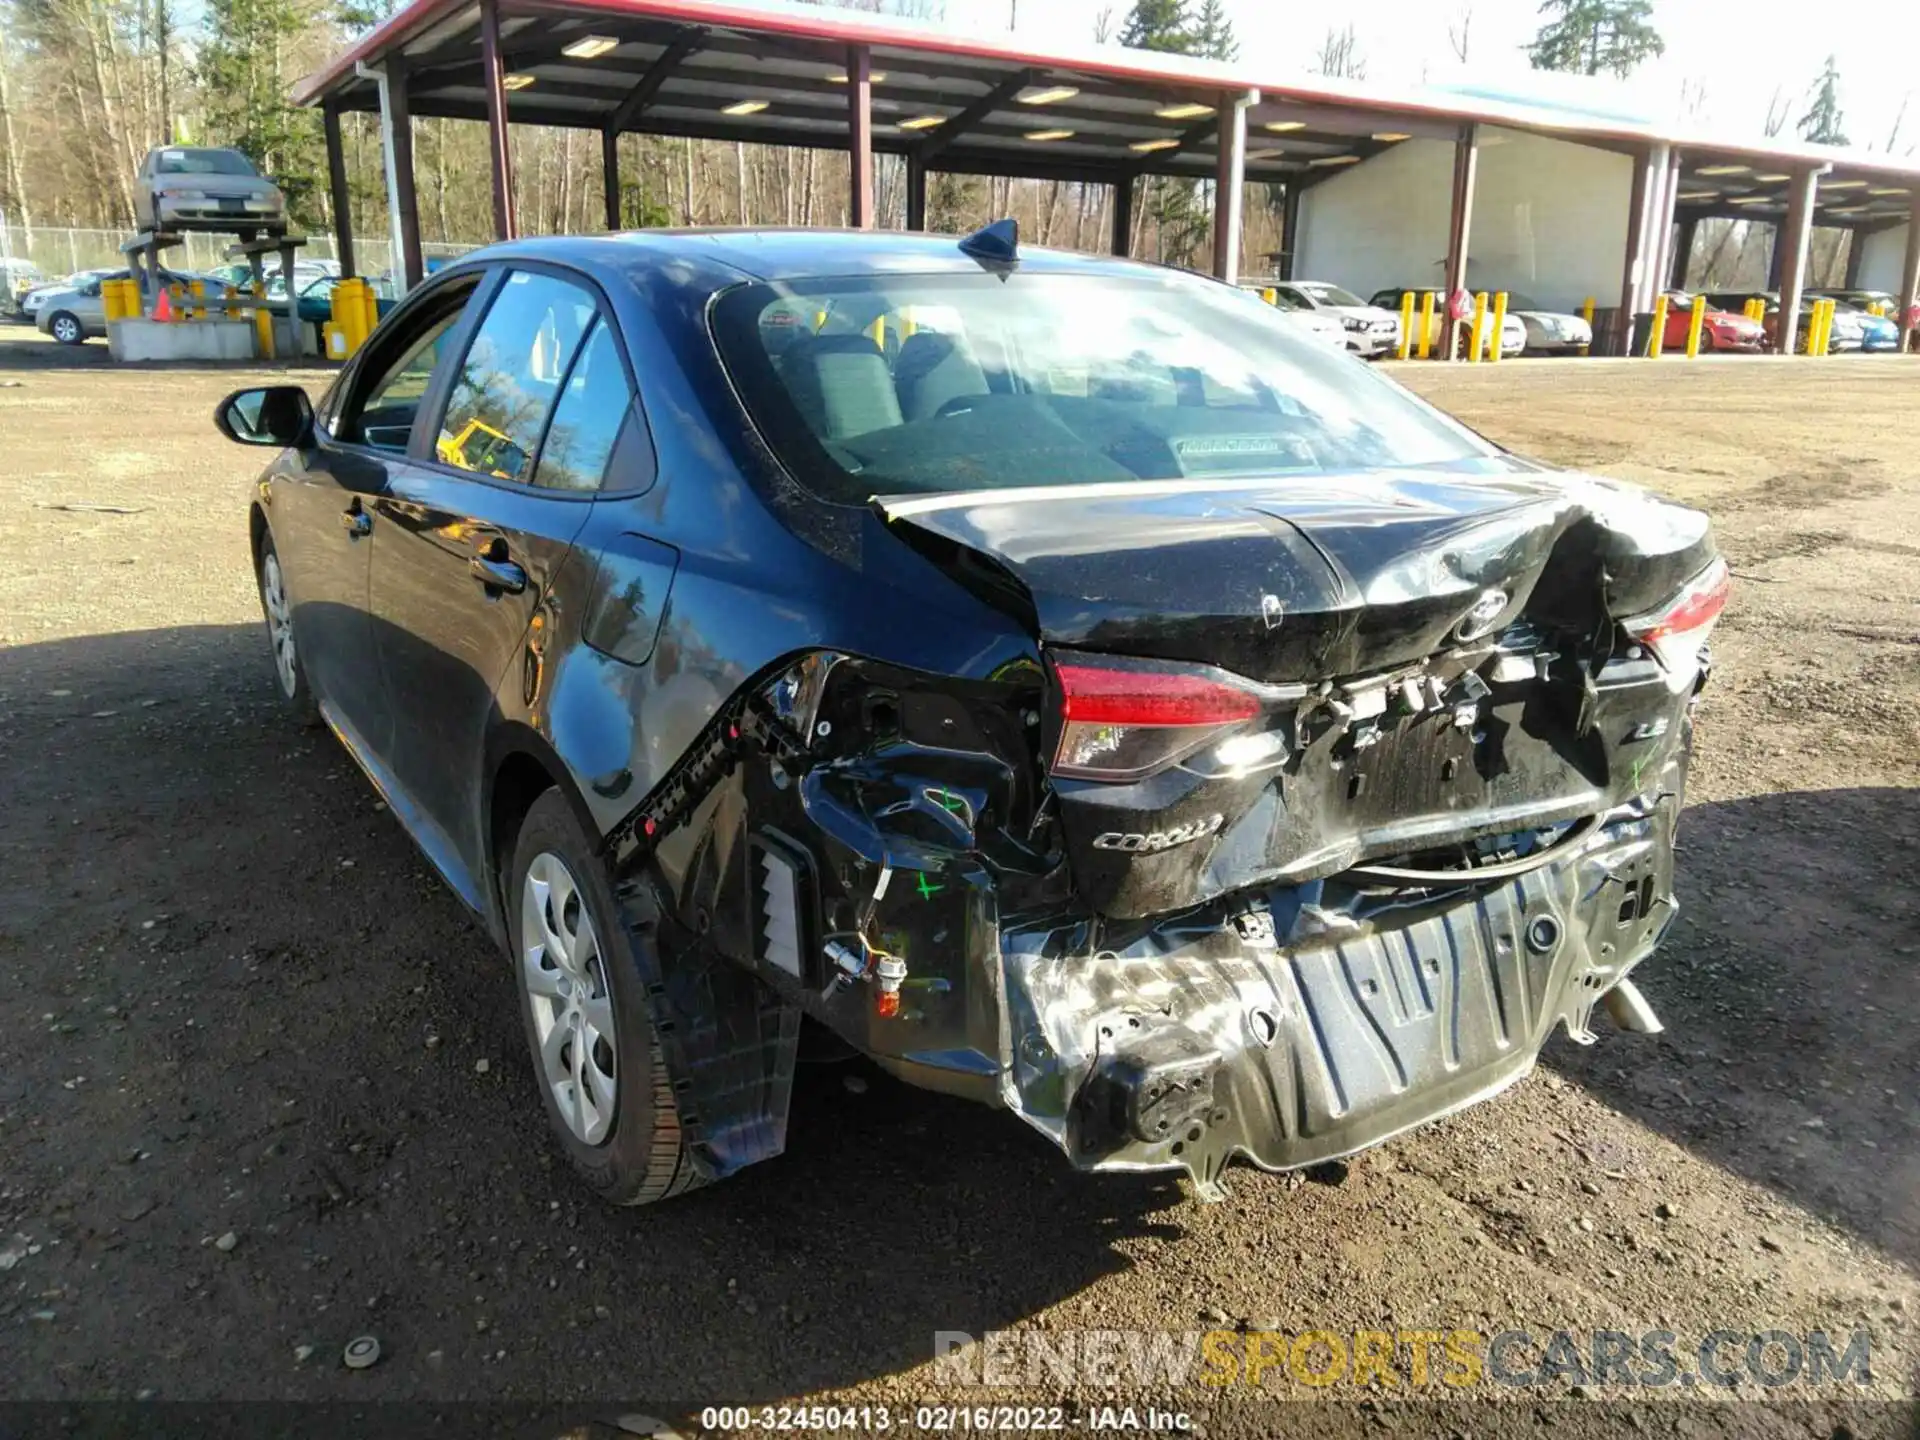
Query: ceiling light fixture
pixel 1753 200
pixel 1843 184
pixel 874 77
pixel 1721 170
pixel 1146 147
pixel 1048 95
pixel 1044 135
pixel 1191 110
pixel 744 107
pixel 516 82
pixel 1888 190
pixel 1272 152
pixel 590 47
pixel 1336 160
pixel 1280 127
pixel 1389 136
pixel 1772 179
pixel 1698 195
pixel 921 122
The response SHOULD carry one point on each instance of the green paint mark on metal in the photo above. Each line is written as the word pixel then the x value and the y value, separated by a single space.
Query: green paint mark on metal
pixel 950 802
pixel 927 892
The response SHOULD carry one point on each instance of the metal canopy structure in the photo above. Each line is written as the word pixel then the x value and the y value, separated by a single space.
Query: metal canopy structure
pixel 790 74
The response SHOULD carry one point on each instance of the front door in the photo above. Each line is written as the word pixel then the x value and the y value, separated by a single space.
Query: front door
pixel 323 518
pixel 475 531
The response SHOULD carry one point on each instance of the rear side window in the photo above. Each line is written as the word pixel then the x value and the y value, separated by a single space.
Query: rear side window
pixel 593 408
pixel 511 376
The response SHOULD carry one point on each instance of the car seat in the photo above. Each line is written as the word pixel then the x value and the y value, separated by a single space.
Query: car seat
pixel 841 386
pixel 933 370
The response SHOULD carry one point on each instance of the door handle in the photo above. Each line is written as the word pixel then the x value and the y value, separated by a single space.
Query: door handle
pixel 356 523
pixel 501 575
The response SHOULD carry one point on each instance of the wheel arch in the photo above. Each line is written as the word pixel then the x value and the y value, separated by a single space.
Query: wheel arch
pixel 520 767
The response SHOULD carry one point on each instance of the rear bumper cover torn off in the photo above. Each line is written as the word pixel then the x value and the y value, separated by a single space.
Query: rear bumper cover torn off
pixel 1323 1018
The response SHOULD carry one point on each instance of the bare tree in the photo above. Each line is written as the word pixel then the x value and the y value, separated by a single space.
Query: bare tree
pixel 1779 111
pixel 1340 56
pixel 1460 32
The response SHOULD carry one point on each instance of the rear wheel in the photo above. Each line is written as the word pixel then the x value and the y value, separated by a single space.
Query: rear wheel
pixel 67 329
pixel 596 1057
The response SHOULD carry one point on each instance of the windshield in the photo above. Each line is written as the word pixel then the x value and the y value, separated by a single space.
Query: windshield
pixel 1332 294
pixel 203 162
pixel 908 383
pixel 1518 301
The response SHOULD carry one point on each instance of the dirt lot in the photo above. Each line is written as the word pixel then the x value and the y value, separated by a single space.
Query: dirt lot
pixel 236 1004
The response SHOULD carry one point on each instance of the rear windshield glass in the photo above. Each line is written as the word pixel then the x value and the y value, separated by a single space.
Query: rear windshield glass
pixel 907 383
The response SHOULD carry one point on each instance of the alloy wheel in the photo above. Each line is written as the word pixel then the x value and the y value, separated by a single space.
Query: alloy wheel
pixel 565 975
pixel 66 330
pixel 273 596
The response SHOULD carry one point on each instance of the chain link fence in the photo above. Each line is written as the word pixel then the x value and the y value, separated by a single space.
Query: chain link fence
pixel 61 250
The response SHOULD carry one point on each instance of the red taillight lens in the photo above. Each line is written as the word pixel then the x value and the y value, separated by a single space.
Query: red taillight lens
pixel 1126 720
pixel 1677 632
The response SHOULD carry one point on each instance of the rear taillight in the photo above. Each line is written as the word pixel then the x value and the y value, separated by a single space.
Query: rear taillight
pixel 1124 719
pixel 1677 632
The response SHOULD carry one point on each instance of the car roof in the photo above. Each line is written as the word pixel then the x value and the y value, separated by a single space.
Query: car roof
pixel 725 256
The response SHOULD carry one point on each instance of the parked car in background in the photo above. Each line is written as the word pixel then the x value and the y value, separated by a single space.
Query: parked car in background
pixel 1877 332
pixel 31 302
pixel 182 187
pixel 17 277
pixel 1549 332
pixel 1862 299
pixel 76 314
pixel 1513 333
pixel 1720 330
pixel 999 702
pixel 1849 327
pixel 1370 330
pixel 1323 327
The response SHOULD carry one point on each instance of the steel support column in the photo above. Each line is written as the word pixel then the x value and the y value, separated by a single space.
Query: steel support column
pixel 1466 164
pixel 493 74
pixel 1289 228
pixel 1120 236
pixel 1792 245
pixel 916 192
pixel 337 185
pixel 1909 277
pixel 1645 178
pixel 860 137
pixel 1230 183
pixel 1660 232
pixel 610 175
pixel 396 146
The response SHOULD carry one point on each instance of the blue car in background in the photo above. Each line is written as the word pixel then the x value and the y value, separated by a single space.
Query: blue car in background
pixel 1877 332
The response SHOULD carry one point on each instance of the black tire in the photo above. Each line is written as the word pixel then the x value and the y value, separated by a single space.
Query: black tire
pixel 643 1155
pixel 289 675
pixel 66 328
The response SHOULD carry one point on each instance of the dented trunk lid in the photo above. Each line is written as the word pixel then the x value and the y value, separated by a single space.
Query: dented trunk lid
pixel 1443 646
pixel 1303 578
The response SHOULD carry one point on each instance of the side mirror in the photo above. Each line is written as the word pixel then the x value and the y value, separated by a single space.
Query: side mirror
pixel 276 415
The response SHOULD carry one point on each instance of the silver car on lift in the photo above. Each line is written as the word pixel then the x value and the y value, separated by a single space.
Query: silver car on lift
pixel 183 187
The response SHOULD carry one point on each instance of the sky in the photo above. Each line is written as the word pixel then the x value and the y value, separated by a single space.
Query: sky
pixel 1725 60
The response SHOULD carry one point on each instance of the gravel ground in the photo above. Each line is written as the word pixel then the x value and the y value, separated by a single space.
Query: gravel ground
pixel 262 1088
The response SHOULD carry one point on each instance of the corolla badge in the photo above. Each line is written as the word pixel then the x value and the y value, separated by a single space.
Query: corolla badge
pixel 1481 618
pixel 1139 844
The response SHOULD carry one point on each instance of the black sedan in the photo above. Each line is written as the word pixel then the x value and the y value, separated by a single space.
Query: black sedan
pixel 1054 675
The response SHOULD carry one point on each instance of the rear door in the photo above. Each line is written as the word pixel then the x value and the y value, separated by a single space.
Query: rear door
pixel 322 517
pixel 479 523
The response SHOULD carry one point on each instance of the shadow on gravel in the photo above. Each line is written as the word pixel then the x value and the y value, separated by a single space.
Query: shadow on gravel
pixel 1790 989
pixel 312 1046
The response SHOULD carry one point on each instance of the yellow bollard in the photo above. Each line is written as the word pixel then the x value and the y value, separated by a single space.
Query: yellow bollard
pixel 1426 325
pixel 1695 323
pixel 198 309
pixel 1827 307
pixel 910 324
pixel 1586 314
pixel 262 325
pixel 877 332
pixel 1406 323
pixel 1270 295
pixel 1657 335
pixel 1479 327
pixel 1499 325
pixel 110 300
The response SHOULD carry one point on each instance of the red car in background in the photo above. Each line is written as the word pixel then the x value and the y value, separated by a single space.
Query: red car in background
pixel 1720 330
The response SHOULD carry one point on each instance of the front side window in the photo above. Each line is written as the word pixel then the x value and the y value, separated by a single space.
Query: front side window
pixel 399 370
pixel 913 383
pixel 511 375
pixel 1332 295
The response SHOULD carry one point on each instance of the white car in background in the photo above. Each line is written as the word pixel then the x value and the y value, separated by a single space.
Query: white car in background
pixel 1297 313
pixel 1367 330
pixel 1550 332
pixel 1513 331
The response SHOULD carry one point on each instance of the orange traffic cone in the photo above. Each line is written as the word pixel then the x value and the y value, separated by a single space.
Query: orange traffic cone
pixel 163 307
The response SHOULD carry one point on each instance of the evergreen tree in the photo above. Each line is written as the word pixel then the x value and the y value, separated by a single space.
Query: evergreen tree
pixel 1213 32
pixel 1822 123
pixel 1162 25
pixel 1590 37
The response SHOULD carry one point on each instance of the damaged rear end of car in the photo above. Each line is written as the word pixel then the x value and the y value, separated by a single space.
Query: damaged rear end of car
pixel 1308 802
